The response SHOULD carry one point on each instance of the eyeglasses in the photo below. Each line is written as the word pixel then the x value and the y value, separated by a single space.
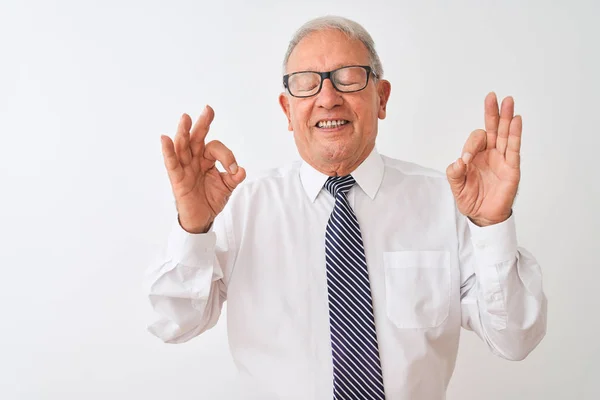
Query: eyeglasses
pixel 352 78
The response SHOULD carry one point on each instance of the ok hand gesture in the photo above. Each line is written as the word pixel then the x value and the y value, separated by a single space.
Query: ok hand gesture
pixel 200 190
pixel 485 179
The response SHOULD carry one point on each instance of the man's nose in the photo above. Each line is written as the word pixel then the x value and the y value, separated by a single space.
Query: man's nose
pixel 328 97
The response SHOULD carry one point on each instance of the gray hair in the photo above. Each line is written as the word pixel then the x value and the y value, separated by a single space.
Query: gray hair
pixel 351 28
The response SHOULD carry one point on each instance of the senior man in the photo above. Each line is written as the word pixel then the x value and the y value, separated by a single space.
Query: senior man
pixel 348 275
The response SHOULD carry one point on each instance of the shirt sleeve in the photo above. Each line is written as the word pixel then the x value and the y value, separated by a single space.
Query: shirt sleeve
pixel 188 287
pixel 502 299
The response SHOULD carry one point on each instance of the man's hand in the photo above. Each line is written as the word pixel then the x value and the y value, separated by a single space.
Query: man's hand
pixel 485 179
pixel 200 190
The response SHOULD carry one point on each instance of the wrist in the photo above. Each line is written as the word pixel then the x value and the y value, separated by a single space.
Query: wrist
pixel 483 222
pixel 194 227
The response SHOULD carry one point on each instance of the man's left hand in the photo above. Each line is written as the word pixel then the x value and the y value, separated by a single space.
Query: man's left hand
pixel 485 179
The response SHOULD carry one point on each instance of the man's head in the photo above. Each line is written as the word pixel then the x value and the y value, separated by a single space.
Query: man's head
pixel 323 45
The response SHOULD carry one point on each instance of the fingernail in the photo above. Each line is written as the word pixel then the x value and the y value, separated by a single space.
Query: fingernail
pixel 203 113
pixel 455 165
pixel 233 168
pixel 467 157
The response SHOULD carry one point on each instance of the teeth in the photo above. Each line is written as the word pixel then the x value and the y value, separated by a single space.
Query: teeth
pixel 331 124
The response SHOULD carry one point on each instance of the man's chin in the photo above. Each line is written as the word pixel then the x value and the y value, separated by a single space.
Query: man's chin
pixel 337 154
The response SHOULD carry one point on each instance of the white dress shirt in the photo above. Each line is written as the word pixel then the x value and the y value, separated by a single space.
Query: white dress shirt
pixel 431 271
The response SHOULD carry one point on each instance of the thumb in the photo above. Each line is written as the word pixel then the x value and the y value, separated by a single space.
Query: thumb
pixel 457 174
pixel 233 180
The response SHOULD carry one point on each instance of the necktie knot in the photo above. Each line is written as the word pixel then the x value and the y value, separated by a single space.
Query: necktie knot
pixel 339 184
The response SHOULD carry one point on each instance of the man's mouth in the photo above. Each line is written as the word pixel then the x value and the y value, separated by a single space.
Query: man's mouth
pixel 331 124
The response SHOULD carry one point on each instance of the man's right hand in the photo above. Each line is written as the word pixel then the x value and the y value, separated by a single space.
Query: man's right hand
pixel 200 190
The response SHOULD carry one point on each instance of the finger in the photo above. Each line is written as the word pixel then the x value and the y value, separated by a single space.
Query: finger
pixel 492 117
pixel 200 129
pixel 174 168
pixel 457 175
pixel 513 150
pixel 217 151
pixel 233 180
pixel 182 140
pixel 506 115
pixel 474 144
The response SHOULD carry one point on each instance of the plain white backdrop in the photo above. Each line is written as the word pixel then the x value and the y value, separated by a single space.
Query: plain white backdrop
pixel 87 87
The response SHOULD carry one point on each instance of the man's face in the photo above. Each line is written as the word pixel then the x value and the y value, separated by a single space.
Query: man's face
pixel 346 146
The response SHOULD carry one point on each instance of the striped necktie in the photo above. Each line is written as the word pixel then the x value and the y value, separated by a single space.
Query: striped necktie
pixel 356 365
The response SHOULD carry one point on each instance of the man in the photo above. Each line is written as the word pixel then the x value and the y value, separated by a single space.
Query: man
pixel 348 275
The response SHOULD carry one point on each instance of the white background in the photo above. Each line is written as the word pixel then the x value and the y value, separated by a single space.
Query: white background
pixel 86 89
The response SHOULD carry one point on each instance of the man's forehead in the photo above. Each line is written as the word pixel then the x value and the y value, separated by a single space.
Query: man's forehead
pixel 326 50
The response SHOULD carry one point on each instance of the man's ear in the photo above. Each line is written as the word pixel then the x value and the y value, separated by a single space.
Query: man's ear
pixel 284 102
pixel 384 88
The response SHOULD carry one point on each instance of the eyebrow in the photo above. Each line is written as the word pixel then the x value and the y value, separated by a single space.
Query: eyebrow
pixel 336 66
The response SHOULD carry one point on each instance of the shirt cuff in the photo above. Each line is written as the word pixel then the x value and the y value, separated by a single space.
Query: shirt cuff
pixel 497 242
pixel 191 249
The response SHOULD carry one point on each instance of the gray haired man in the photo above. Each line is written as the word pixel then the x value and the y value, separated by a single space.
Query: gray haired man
pixel 348 274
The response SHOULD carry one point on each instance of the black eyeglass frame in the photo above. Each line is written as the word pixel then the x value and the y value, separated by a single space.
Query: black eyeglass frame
pixel 327 75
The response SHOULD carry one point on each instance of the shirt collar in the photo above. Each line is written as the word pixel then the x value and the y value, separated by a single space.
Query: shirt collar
pixel 368 175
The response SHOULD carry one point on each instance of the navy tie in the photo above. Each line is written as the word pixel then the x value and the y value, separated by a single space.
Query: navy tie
pixel 356 365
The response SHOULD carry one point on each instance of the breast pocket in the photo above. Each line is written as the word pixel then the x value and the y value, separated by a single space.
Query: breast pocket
pixel 417 286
